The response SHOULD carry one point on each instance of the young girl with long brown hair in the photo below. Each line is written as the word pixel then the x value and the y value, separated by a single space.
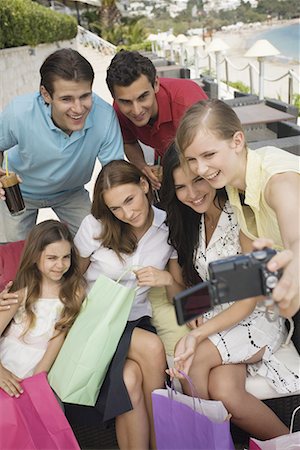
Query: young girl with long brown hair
pixel 50 291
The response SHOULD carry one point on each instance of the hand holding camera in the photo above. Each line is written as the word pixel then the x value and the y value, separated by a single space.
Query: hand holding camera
pixel 231 279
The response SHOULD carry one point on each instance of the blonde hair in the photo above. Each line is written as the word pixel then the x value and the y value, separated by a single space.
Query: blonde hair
pixel 210 116
pixel 29 277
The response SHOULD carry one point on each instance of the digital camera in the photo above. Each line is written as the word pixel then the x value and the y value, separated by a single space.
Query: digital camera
pixel 230 279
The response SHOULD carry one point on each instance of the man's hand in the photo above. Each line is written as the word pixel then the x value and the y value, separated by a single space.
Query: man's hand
pixel 151 173
pixel 7 299
pixel 2 192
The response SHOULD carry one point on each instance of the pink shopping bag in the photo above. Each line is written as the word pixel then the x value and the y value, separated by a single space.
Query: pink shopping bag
pixel 34 420
pixel 286 442
pixel 289 441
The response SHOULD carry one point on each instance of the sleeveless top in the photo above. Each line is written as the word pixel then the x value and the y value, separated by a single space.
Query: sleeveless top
pixel 21 353
pixel 255 217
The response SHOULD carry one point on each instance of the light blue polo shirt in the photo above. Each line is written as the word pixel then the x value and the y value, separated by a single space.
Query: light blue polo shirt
pixel 49 161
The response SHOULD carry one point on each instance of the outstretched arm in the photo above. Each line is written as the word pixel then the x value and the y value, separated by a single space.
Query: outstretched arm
pixel 282 195
pixel 228 318
pixel 9 382
pixel 186 347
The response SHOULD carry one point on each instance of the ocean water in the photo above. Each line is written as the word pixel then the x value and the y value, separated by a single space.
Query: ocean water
pixel 286 39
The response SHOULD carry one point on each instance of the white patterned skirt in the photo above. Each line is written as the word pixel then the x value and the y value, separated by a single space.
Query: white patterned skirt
pixel 242 341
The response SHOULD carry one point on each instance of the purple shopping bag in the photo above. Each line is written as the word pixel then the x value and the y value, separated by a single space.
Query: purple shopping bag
pixel 35 419
pixel 179 426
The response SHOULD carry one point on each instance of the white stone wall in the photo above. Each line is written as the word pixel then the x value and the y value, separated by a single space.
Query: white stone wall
pixel 19 68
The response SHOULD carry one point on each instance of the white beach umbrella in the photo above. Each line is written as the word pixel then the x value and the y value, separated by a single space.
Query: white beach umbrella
pixel 217 46
pixel 181 39
pixel 153 39
pixel 260 50
pixel 170 40
pixel 196 42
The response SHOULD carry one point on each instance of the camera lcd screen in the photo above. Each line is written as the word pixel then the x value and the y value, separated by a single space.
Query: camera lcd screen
pixel 192 302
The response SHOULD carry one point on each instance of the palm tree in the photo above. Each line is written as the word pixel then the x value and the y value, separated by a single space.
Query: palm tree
pixel 109 15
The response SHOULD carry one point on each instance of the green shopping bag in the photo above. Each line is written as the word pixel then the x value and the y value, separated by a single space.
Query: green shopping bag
pixel 81 365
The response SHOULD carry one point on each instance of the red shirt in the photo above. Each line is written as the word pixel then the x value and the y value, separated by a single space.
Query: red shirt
pixel 175 95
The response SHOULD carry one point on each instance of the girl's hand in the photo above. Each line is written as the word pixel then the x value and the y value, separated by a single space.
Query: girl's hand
pixel 286 292
pixel 7 299
pixel 10 382
pixel 150 276
pixel 185 352
pixel 193 324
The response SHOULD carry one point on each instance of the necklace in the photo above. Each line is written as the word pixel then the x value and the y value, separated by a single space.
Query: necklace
pixel 212 223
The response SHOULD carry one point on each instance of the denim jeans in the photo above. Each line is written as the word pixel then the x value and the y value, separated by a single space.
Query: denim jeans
pixel 70 208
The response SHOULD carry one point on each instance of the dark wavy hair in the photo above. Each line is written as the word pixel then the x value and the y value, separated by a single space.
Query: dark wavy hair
pixel 126 67
pixel 73 285
pixel 67 64
pixel 115 234
pixel 183 221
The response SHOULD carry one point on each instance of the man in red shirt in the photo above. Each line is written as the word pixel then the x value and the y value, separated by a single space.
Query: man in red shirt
pixel 148 108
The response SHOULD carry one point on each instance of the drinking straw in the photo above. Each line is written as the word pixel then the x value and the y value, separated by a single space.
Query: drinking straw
pixel 156 193
pixel 6 164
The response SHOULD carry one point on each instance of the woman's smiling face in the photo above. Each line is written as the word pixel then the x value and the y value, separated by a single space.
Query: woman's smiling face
pixel 192 190
pixel 216 160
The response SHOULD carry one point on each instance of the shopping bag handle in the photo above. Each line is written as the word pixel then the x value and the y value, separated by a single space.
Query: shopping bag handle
pixel 293 418
pixel 126 271
pixel 191 384
pixel 195 395
pixel 290 334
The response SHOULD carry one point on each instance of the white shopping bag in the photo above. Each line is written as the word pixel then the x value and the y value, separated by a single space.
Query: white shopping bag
pixel 286 442
pixel 213 409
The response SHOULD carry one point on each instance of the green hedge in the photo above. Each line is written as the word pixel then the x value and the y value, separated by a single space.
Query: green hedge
pixel 23 22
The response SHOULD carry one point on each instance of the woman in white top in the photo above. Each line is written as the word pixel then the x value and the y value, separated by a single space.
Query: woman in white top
pixel 125 234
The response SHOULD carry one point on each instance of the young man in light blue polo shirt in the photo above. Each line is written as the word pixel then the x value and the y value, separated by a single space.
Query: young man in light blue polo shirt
pixel 53 139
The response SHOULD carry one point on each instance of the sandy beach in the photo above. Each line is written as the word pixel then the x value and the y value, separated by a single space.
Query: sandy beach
pixel 239 41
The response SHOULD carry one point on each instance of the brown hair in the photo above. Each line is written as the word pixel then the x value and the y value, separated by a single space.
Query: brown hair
pixel 67 64
pixel 115 234
pixel 28 276
pixel 212 116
